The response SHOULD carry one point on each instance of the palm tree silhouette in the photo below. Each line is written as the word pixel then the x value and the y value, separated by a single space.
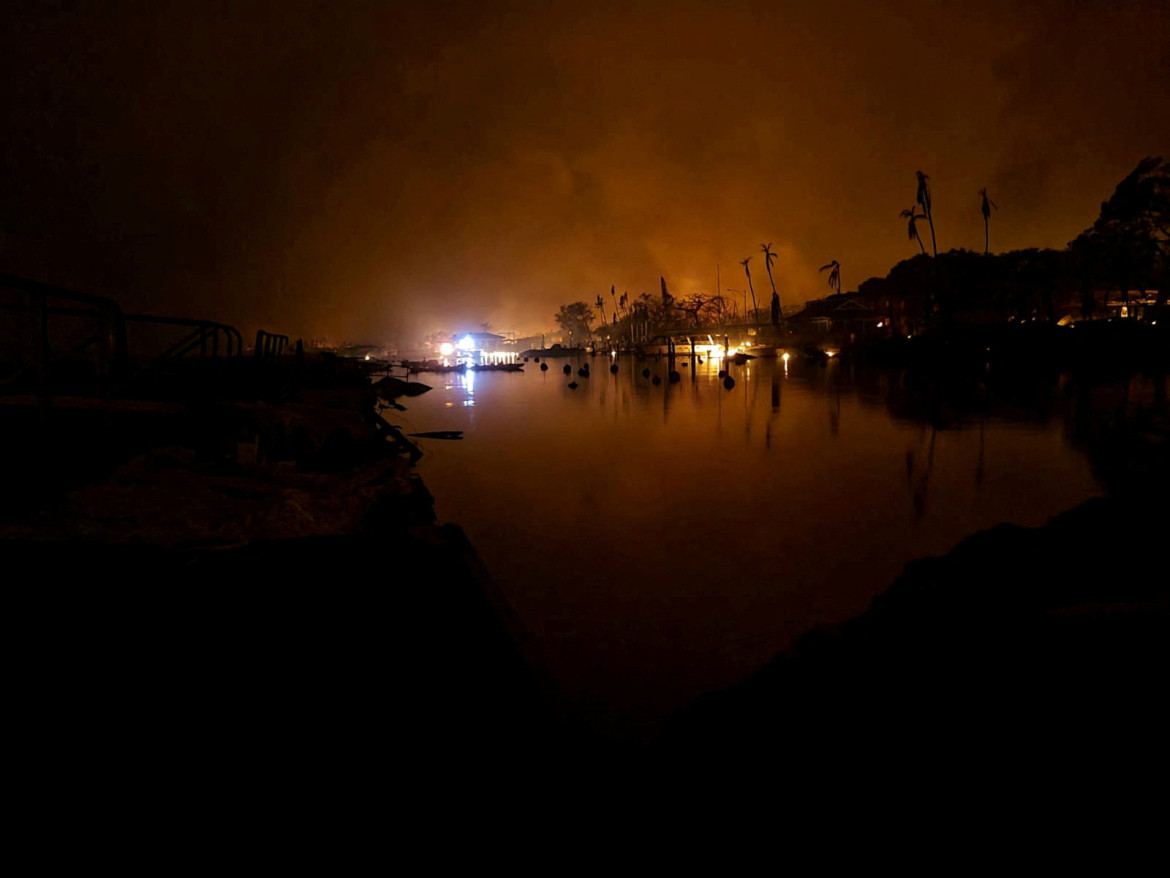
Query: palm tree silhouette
pixel 923 199
pixel 747 271
pixel 912 216
pixel 988 204
pixel 834 275
pixel 601 306
pixel 769 258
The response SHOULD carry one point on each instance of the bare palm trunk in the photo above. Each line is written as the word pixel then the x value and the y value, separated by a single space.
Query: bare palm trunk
pixel 776 294
pixel 933 243
pixel 986 237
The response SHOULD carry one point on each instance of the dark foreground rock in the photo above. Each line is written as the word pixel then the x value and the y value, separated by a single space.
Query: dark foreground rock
pixel 276 676
pixel 1029 665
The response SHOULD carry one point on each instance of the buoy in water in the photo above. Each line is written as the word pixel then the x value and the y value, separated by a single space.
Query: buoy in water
pixel 729 382
pixel 613 368
pixel 572 385
pixel 544 367
pixel 568 369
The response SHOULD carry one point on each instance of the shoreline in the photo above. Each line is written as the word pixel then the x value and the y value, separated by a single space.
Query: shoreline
pixel 327 644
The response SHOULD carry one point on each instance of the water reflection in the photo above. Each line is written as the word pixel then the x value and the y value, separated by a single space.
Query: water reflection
pixel 659 540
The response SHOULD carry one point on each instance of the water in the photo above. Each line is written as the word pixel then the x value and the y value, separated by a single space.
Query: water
pixel 658 542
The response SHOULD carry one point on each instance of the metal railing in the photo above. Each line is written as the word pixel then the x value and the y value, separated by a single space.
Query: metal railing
pixel 58 341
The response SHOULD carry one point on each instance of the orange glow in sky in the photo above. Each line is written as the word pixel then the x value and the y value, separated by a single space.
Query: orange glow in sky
pixel 362 171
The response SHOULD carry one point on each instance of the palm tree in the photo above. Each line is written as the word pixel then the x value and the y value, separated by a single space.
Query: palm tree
pixel 912 216
pixel 601 306
pixel 769 258
pixel 747 271
pixel 923 199
pixel 988 204
pixel 834 275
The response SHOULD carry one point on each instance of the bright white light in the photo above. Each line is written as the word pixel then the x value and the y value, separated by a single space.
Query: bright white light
pixel 446 349
pixel 784 356
pixel 467 343
pixel 367 356
pixel 880 324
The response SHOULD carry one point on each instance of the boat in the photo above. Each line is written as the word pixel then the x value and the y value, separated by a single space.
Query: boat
pixel 555 351
pixel 702 345
pixel 435 366
pixel 760 350
pixel 498 367
pixel 431 366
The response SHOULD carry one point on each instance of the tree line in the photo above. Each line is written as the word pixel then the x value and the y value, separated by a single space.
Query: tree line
pixel 1125 250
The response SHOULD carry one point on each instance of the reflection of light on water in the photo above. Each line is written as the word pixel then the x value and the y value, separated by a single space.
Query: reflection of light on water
pixel 650 446
pixel 469 386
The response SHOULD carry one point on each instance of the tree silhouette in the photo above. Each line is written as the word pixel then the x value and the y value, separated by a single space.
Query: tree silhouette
pixel 747 271
pixel 834 275
pixel 988 204
pixel 575 320
pixel 601 308
pixel 911 215
pixel 693 305
pixel 923 199
pixel 1128 247
pixel 769 258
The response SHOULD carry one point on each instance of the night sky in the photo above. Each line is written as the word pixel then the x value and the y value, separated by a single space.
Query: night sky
pixel 377 171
